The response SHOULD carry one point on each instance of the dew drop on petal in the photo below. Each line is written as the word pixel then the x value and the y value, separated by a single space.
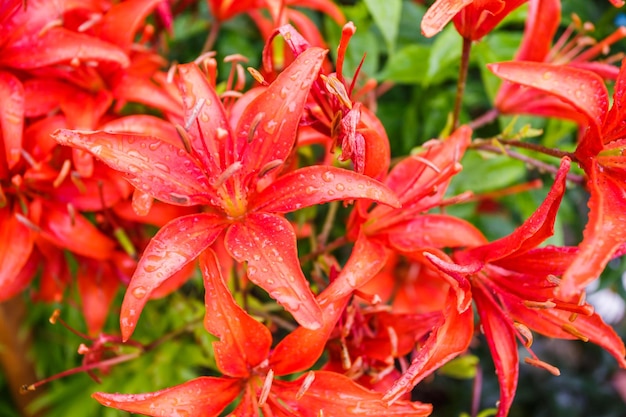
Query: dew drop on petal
pixel 328 176
pixel 340 187
pixel 139 292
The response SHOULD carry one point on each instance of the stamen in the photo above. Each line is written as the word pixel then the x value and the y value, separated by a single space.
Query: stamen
pixel 63 173
pixel 87 24
pixel 267 386
pixel 553 279
pixel 254 125
pixel 54 316
pixel 306 384
pixel 428 163
pixel 346 363
pixel 31 161
pixel 539 304
pixel 337 89
pixel 258 77
pixel 393 340
pixel 227 173
pixel 525 332
pixel 184 138
pixel 270 166
pixel 170 73
pixel 602 46
pixel 569 328
pixel 194 113
pixel 71 210
pixel 26 222
pixel 541 364
pixel 50 25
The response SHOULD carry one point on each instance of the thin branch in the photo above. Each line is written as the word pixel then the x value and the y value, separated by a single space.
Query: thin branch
pixel 485 119
pixel 540 165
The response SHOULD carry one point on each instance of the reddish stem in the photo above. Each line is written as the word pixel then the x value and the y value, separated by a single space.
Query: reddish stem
pixel 460 86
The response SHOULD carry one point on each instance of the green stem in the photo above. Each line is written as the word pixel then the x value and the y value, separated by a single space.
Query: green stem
pixel 460 86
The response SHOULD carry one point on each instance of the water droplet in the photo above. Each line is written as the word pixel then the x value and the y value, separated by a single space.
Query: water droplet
pixel 154 146
pixel 331 192
pixel 139 292
pixel 256 257
pixel 547 75
pixel 340 187
pixel 309 190
pixel 204 117
pixel 162 166
pixel 328 176
pixel 270 126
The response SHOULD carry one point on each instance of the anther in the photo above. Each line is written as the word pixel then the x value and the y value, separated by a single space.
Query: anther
pixel 267 386
pixel 306 384
pixel 543 365
pixel 194 113
pixel 227 173
pixel 569 328
pixel 254 124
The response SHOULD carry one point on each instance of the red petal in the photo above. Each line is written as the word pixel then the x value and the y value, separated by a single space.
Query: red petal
pixel 541 24
pixel 209 130
pixel 59 45
pixel 268 244
pixel 479 18
pixel 144 125
pixel 500 337
pixel 156 167
pixel 204 396
pixel 604 233
pixel 174 246
pixel 531 233
pixel 327 7
pixel 14 252
pixel 434 230
pixel 121 22
pixel 613 128
pixel 11 116
pixel 446 341
pixel 440 14
pixel 74 232
pixel 366 260
pixel 271 120
pixel 582 89
pixel 320 184
pixel 97 286
pixel 244 342
pixel 333 394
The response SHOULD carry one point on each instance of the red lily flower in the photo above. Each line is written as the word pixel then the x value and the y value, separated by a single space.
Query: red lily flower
pixel 243 355
pixel 421 181
pixel 541 26
pixel 599 152
pixel 334 113
pixel 513 290
pixel 473 19
pixel 234 170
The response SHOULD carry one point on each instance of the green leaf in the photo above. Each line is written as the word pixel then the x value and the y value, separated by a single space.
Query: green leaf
pixel 463 367
pixel 407 66
pixel 445 55
pixel 387 15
